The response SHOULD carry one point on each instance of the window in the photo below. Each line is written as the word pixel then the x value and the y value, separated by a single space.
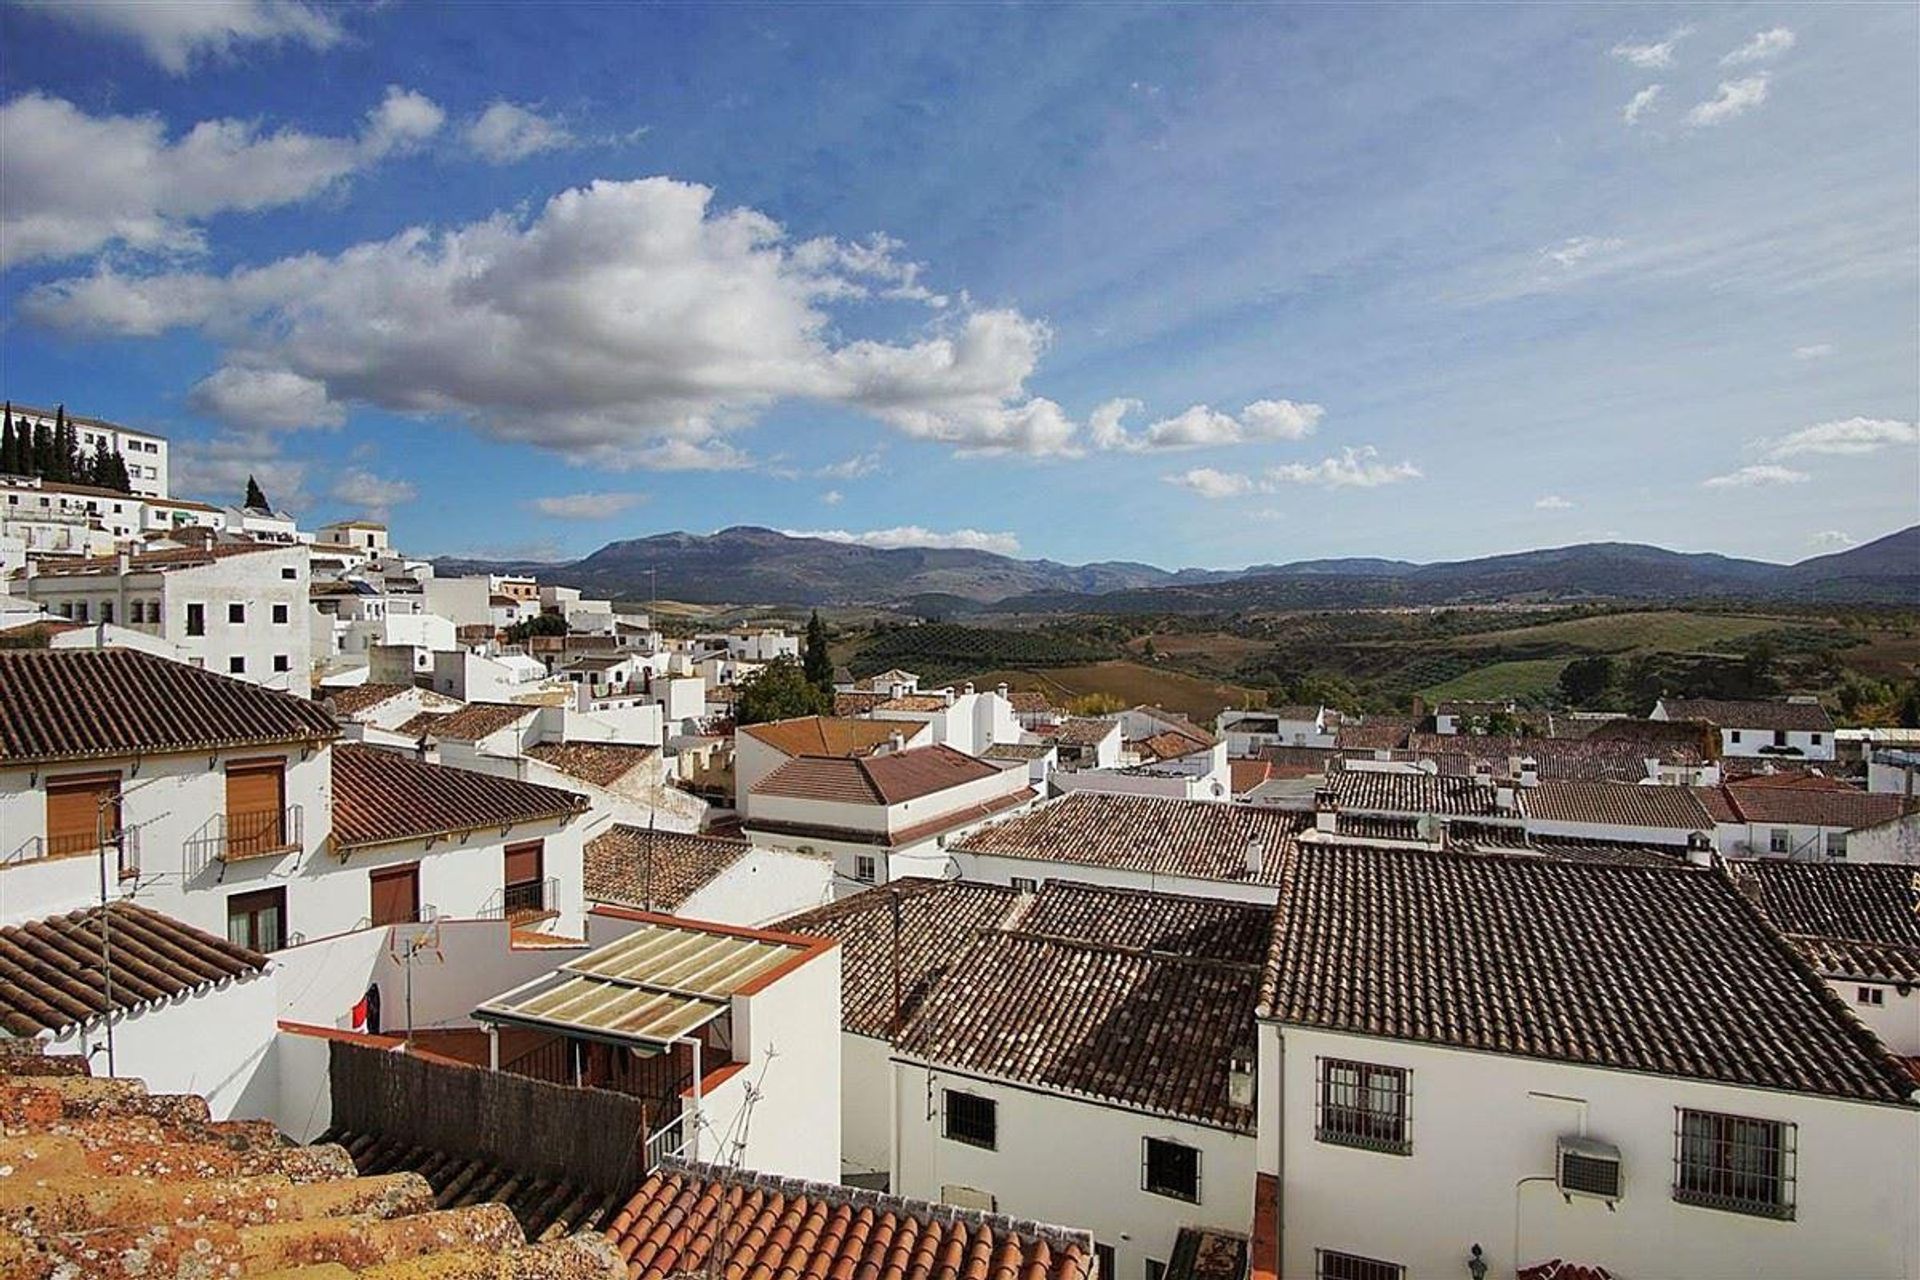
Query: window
pixel 136 611
pixel 1836 844
pixel 396 894
pixel 1779 737
pixel 1363 1105
pixel 972 1120
pixel 106 611
pixel 1025 884
pixel 81 807
pixel 1733 1163
pixel 289 573
pixel 1733 735
pixel 1103 1254
pixel 864 869
pixel 1874 997
pixel 196 619
pixel 281 662
pixel 1777 840
pixel 1814 739
pixel 524 883
pixel 258 919
pixel 80 611
pixel 1170 1169
pixel 1156 1269
pixel 237 666
pixel 236 613
pixel 280 614
pixel 1329 1265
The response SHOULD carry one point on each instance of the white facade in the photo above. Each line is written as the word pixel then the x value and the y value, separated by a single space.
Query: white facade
pixel 144 452
pixel 1751 741
pixel 1248 733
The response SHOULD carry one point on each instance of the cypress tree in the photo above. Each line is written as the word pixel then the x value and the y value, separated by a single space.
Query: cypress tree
pixel 817 663
pixel 61 466
pixel 117 477
pixel 9 456
pixel 42 448
pixel 256 497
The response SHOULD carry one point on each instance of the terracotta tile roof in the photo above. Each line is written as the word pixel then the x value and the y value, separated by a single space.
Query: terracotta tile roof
pixel 887 779
pixel 421 723
pixel 381 796
pixel 779 1227
pixel 1667 971
pixel 828 735
pixel 1819 803
pixel 76 704
pixel 152 561
pixel 1376 733
pixel 476 720
pixel 1665 738
pixel 1083 731
pixel 1030 702
pixel 1247 774
pixel 1577 758
pixel 1851 920
pixel 51 974
pixel 1374 791
pixel 1617 804
pixel 1199 839
pixel 1172 924
pixel 1809 717
pixel 106 1181
pixel 946 821
pixel 655 871
pixel 1170 745
pixel 601 763
pixel 1018 750
pixel 356 698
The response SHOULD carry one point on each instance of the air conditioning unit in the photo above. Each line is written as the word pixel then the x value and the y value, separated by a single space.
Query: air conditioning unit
pixel 1585 1167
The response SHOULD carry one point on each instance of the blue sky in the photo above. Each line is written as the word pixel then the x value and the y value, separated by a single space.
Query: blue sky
pixel 1192 286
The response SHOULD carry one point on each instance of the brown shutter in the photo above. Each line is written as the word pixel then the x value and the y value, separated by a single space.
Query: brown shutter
pixel 256 804
pixel 396 894
pixel 74 818
pixel 523 863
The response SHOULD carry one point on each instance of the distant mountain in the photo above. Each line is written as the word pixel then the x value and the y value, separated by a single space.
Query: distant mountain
pixel 747 565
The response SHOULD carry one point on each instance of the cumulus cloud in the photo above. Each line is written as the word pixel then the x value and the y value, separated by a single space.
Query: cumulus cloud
pixel 1552 502
pixel 585 506
pixel 832 497
pixel 72 183
pixel 629 323
pixel 1352 468
pixel 912 535
pixel 861 464
pixel 252 398
pixel 216 470
pixel 370 492
pixel 177 33
pixel 1814 351
pixel 1653 56
pixel 1201 426
pixel 1846 436
pixel 1763 475
pixel 1641 103
pixel 1764 45
pixel 1734 98
pixel 1209 483
pixel 506 132
pixel 1831 540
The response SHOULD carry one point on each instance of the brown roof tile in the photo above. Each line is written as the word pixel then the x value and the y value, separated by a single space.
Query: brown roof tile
pixel 354 699
pixel 152 561
pixel 887 779
pixel 1199 839
pixel 1851 920
pixel 1755 714
pixel 381 796
pixel 601 763
pixel 1669 971
pixel 827 735
pixel 1413 792
pixel 1617 804
pixel 780 1227
pixel 655 870
pixel 1083 731
pixel 476 720
pixel 122 702
pixel 1804 802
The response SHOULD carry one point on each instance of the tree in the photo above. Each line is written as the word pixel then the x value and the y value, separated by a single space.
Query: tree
pixel 117 476
pixel 545 624
pixel 1585 681
pixel 779 691
pixel 256 496
pixel 1907 712
pixel 42 456
pixel 65 445
pixel 9 452
pixel 818 664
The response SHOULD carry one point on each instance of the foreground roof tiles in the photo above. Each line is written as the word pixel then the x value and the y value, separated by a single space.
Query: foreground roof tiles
pixel 764 1226
pixel 383 796
pixel 1665 971
pixel 1851 920
pixel 1193 838
pixel 655 870
pixel 121 702
pixel 51 975
pixel 358 698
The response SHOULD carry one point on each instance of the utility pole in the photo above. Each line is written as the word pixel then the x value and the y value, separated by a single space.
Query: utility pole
pixel 106 914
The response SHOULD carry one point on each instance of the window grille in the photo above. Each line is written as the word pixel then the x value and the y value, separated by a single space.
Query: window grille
pixel 1363 1105
pixel 1734 1163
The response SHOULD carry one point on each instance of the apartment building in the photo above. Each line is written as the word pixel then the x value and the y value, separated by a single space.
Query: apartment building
pixel 145 453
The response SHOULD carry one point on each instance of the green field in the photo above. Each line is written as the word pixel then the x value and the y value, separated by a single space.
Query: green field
pixel 1522 680
pixel 1670 630
pixel 1132 683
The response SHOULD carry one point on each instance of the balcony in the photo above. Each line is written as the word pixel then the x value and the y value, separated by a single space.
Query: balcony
pixel 125 846
pixel 236 837
pixel 523 901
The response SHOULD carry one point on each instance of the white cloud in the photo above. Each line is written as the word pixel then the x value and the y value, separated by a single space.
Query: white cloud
pixel 1831 540
pixel 1652 56
pixel 1641 103
pixel 370 492
pixel 1201 426
pixel 1764 45
pixel 629 323
pixel 72 183
pixel 832 497
pixel 1353 469
pixel 252 398
pixel 506 132
pixel 585 506
pixel 861 464
pixel 1574 250
pixel 1552 502
pixel 1846 436
pixel 176 33
pixel 912 535
pixel 1755 477
pixel 216 470
pixel 1814 351
pixel 1732 99
pixel 1209 483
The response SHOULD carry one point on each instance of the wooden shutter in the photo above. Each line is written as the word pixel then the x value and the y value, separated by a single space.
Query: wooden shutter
pixel 256 805
pixel 396 894
pixel 523 863
pixel 74 818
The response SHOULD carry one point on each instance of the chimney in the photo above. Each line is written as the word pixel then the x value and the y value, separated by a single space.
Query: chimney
pixel 122 561
pixel 1256 856
pixel 1700 849
pixel 1001 689
pixel 1482 773
pixel 1503 798
pixel 1513 766
pixel 967 688
pixel 583 696
pixel 1240 1079
pixel 1326 810
pixel 896 742
pixel 947 693
pixel 1529 772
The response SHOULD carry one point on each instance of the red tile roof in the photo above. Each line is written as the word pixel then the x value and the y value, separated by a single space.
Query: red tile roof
pixel 1818 803
pixel 601 763
pixel 655 870
pixel 93 703
pixel 477 720
pixel 1809 717
pixel 827 735
pixel 784 1228
pixel 1851 920
pixel 383 796
pixel 1199 839
pixel 1616 804
pixel 887 779
pixel 356 698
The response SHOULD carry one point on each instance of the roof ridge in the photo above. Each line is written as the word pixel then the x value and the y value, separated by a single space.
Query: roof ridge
pixel 1121 949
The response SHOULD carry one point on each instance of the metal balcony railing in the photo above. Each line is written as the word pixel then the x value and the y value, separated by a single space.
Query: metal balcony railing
pixel 523 899
pixel 232 837
pixel 47 848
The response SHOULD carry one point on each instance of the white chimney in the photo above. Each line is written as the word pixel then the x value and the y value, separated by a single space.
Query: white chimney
pixel 1513 766
pixel 1503 798
pixel 896 742
pixel 123 562
pixel 1240 1080
pixel 1326 811
pixel 1001 688
pixel 1529 772
pixel 1256 856
pixel 1482 773
pixel 583 696
pixel 1700 849
pixel 967 688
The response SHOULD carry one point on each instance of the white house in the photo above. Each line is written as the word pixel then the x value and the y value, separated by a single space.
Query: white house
pixel 753 644
pixel 239 609
pixel 1809 817
pixel 144 452
pixel 1550 1061
pixel 759 749
pixel 885 815
pixel 1161 754
pixel 369 536
pixel 1086 742
pixel 963 718
pixel 1248 733
pixel 1797 728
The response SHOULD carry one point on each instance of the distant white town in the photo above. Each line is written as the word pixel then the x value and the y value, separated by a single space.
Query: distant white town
pixel 354 918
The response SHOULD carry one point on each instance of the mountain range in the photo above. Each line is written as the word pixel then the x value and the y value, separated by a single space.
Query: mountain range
pixel 748 565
